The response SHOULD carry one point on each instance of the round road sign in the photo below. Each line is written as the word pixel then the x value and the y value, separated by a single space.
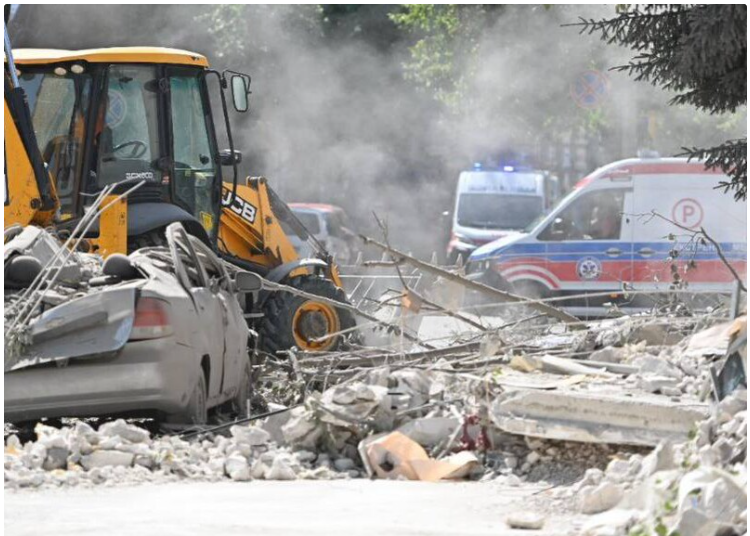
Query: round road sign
pixel 589 89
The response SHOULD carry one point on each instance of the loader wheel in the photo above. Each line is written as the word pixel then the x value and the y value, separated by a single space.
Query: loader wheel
pixel 295 321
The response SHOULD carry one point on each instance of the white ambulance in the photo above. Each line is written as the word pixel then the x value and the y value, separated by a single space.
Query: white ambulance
pixel 615 232
pixel 492 204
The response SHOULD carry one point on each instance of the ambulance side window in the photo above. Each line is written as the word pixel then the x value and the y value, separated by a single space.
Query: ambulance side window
pixel 595 216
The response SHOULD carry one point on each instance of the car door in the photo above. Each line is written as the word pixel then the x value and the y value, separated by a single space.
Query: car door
pixel 210 321
pixel 235 329
pixel 589 243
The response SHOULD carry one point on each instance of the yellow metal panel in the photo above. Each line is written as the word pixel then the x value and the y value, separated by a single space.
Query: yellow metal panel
pixel 41 56
pixel 24 200
pixel 249 229
pixel 113 228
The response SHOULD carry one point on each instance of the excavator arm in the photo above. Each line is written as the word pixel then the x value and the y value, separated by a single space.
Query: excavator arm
pixel 251 231
pixel 30 196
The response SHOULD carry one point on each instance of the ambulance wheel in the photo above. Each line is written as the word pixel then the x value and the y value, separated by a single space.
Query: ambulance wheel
pixel 294 321
pixel 530 289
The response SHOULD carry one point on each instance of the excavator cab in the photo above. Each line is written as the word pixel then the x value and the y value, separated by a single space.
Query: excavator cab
pixel 143 115
pixel 104 117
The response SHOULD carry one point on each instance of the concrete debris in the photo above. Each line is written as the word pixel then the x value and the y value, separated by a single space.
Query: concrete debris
pixel 595 499
pixel 617 522
pixel 616 418
pixel 697 487
pixel 616 424
pixel 106 458
pixel 429 431
pixel 525 520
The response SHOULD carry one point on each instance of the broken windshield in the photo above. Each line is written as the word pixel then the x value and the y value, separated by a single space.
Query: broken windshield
pixel 58 104
pixel 490 211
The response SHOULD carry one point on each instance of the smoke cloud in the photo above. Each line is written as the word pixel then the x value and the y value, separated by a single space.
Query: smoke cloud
pixel 335 120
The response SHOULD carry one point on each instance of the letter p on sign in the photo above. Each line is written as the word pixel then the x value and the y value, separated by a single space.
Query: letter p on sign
pixel 688 213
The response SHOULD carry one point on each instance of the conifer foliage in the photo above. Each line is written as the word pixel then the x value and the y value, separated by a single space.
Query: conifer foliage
pixel 698 52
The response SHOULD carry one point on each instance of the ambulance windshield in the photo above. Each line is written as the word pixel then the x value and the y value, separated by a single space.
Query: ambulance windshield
pixel 493 211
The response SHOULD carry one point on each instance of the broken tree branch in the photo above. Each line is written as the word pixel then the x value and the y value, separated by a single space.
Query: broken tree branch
pixel 473 285
pixel 397 264
pixel 702 232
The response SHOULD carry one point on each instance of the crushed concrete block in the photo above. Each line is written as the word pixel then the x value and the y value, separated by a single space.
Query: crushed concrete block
pixel 57 458
pixel 274 423
pixel 104 458
pixel 34 456
pixel 655 334
pixel 259 469
pixel 592 477
pixel 659 384
pixel 596 418
pixel 86 432
pixel 709 498
pixel 732 404
pixel 659 459
pixel 618 470
pixel 532 457
pixel 525 520
pixel 429 431
pixel 344 464
pixel 609 354
pixel 305 456
pixel 612 523
pixel 250 435
pixel 281 469
pixel 649 365
pixel 356 402
pixel 236 468
pixel 144 461
pixel 302 428
pixel 110 443
pixel 126 431
pixel 600 498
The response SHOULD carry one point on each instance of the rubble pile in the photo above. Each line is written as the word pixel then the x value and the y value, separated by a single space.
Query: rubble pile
pixel 617 424
pixel 695 488
pixel 122 453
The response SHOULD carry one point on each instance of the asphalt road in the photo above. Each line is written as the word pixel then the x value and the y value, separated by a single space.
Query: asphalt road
pixel 312 508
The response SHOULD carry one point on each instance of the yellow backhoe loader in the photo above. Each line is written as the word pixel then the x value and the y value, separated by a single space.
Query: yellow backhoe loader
pixel 83 120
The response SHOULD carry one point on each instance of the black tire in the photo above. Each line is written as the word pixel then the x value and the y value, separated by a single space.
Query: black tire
pixel 530 289
pixel 196 411
pixel 277 330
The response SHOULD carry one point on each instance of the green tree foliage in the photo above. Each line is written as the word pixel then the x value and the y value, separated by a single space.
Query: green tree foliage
pixel 448 38
pixel 697 51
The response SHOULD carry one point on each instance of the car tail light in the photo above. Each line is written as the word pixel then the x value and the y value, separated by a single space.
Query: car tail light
pixel 152 320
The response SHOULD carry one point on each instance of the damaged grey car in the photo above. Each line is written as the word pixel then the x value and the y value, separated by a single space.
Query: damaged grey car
pixel 158 333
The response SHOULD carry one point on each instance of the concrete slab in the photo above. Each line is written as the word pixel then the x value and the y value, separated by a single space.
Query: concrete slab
pixel 620 418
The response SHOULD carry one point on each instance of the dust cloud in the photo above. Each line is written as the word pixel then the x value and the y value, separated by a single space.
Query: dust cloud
pixel 336 121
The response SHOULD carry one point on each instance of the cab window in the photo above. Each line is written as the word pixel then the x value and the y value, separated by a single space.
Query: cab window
pixel 593 216
pixel 127 129
pixel 58 106
pixel 195 167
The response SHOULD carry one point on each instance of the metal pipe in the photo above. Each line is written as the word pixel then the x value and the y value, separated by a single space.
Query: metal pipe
pixel 9 54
